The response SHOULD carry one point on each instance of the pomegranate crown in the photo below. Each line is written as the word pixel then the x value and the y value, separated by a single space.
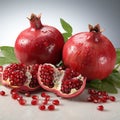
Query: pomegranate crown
pixel 95 28
pixel 35 21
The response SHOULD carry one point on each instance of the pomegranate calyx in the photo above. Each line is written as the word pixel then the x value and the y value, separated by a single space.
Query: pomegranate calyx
pixel 95 28
pixel 35 21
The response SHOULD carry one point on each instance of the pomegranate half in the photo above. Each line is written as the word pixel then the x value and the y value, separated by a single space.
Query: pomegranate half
pixel 64 83
pixel 21 77
pixel 39 43
pixel 90 53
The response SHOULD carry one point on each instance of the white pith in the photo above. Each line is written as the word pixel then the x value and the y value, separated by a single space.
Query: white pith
pixel 29 76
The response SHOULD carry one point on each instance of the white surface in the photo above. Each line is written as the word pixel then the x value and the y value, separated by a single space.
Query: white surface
pixel 69 109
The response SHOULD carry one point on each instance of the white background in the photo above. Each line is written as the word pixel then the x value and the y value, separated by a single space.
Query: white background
pixel 79 13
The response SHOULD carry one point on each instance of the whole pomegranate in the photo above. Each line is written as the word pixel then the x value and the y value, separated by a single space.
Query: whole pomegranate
pixel 21 77
pixel 65 83
pixel 39 43
pixel 90 53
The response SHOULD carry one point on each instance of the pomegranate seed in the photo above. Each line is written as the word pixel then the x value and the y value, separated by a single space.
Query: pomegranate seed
pixel 34 102
pixel 45 102
pixel 99 93
pixel 105 97
pixel 90 99
pixel 112 98
pixel 43 94
pixel 95 101
pixel 2 93
pixel 42 107
pixel 91 91
pixel 13 91
pixel 35 97
pixel 104 93
pixel 56 102
pixel 22 101
pixel 47 98
pixel 51 107
pixel 27 94
pixel 104 100
pixel 15 96
pixel 100 107
pixel 19 98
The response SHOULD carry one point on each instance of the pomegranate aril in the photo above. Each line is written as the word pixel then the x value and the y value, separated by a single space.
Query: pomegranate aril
pixel 27 94
pixel 42 107
pixel 22 101
pixel 112 98
pixel 2 93
pixel 99 96
pixel 15 96
pixel 47 97
pixel 55 102
pixel 92 91
pixel 19 98
pixel 43 94
pixel 51 107
pixel 99 93
pixel 34 102
pixel 103 100
pixel 95 100
pixel 100 107
pixel 35 97
pixel 104 93
pixel 45 102
pixel 13 91
pixel 90 99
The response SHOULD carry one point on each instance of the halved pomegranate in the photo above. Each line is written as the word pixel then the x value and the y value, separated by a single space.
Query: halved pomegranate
pixel 65 83
pixel 21 77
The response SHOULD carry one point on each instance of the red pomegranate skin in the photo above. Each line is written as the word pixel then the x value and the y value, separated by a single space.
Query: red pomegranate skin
pixel 39 43
pixel 91 54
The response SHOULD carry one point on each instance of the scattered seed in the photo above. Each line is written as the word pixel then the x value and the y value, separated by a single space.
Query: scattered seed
pixel 27 94
pixel 22 101
pixel 51 107
pixel 56 102
pixel 42 107
pixel 43 94
pixel 2 93
pixel 100 107
pixel 112 98
pixel 34 102
pixel 35 97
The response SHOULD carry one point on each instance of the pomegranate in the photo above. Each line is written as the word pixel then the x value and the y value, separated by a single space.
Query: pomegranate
pixel 90 53
pixel 39 43
pixel 65 83
pixel 21 77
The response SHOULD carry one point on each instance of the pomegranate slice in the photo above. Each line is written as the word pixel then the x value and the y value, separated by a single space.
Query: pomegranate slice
pixel 65 83
pixel 21 77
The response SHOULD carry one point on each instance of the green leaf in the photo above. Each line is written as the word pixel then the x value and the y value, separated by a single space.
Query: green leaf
pixel 118 56
pixel 102 85
pixel 66 26
pixel 108 86
pixel 8 55
pixel 114 77
pixel 66 36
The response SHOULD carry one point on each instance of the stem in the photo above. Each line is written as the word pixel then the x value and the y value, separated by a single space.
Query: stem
pixel 95 28
pixel 35 21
